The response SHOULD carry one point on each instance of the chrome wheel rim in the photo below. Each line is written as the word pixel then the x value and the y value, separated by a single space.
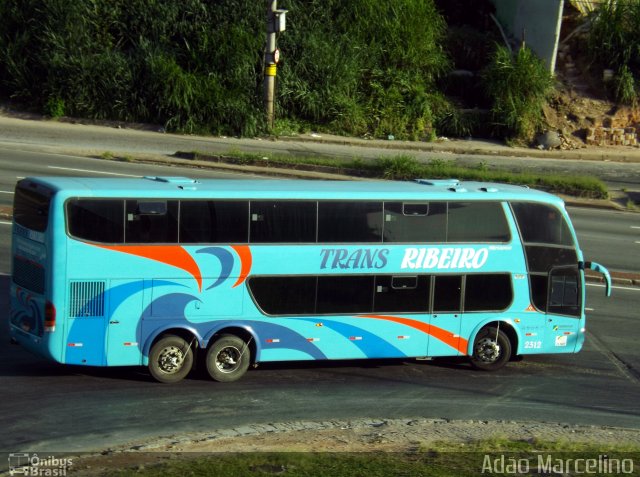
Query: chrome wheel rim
pixel 487 350
pixel 170 360
pixel 228 359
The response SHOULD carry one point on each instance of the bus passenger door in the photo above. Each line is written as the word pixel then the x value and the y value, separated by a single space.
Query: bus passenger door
pixel 444 335
pixel 564 305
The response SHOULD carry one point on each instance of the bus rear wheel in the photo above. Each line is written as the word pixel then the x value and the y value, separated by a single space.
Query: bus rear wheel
pixel 171 359
pixel 228 358
pixel 491 350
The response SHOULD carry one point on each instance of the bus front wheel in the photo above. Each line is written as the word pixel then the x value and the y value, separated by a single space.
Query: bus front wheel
pixel 171 359
pixel 228 359
pixel 491 350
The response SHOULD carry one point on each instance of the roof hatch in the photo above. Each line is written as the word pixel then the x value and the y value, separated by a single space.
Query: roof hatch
pixel 439 182
pixel 183 183
pixel 172 180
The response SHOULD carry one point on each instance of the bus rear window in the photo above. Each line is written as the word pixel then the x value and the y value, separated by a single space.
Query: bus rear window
pixel 31 206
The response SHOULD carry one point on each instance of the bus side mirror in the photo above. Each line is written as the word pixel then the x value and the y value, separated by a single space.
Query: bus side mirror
pixel 596 267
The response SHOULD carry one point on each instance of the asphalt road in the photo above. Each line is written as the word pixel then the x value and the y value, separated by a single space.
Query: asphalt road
pixel 608 237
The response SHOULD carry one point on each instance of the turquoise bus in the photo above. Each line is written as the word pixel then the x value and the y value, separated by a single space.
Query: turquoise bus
pixel 164 271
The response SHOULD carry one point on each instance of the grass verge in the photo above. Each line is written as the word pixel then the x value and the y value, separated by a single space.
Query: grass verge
pixel 406 167
pixel 494 456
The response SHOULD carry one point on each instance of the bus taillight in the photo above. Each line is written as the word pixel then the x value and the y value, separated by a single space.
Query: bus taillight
pixel 49 317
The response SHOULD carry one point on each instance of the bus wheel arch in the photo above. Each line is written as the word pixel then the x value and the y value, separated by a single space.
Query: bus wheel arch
pixel 493 346
pixel 229 354
pixel 172 355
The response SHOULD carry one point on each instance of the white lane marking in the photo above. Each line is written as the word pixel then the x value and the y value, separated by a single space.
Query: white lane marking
pixel 589 309
pixel 635 227
pixel 92 172
pixel 613 287
pixel 4 222
pixel 6 192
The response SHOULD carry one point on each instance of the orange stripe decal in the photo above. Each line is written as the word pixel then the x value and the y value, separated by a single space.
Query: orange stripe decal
pixel 457 343
pixel 246 260
pixel 173 255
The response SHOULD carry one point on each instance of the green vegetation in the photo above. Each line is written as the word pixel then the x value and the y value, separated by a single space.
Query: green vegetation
pixel 406 167
pixel 189 64
pixel 625 87
pixel 519 85
pixel 365 66
pixel 438 460
pixel 614 43
pixel 362 67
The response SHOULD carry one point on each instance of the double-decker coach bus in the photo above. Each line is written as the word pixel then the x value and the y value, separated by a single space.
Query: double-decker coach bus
pixel 158 271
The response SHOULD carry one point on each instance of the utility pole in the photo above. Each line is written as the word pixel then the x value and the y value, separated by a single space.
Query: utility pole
pixel 275 24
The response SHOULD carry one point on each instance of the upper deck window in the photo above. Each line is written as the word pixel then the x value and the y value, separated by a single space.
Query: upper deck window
pixel 96 220
pixel 31 206
pixel 477 222
pixel 283 221
pixel 541 223
pixel 209 221
pixel 349 222
pixel 151 221
pixel 411 222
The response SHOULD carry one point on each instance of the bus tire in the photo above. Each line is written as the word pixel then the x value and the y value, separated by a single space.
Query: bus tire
pixel 491 350
pixel 170 359
pixel 228 358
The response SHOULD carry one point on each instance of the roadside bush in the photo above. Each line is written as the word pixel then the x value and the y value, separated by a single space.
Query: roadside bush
pixel 625 87
pixel 613 36
pixel 518 86
pixel 615 44
pixel 189 64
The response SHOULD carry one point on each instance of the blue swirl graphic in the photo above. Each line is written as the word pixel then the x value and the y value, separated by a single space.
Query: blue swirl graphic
pixel 226 262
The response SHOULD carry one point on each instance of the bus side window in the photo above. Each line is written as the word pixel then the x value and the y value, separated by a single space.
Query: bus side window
pixel 415 222
pixel 447 293
pixel 487 292
pixel 402 294
pixel 152 221
pixel 541 223
pixel 345 294
pixel 477 222
pixel 211 221
pixel 96 220
pixel 349 222
pixel 283 221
